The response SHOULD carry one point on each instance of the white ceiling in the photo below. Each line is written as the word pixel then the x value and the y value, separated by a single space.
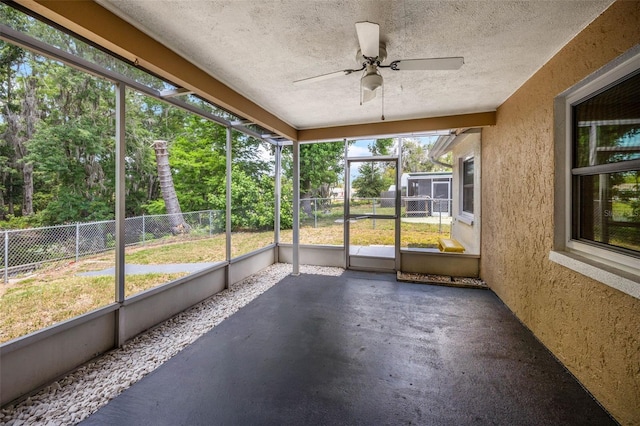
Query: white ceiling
pixel 259 48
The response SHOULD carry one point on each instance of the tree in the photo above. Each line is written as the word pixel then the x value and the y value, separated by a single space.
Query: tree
pixel 20 113
pixel 381 146
pixel 321 169
pixel 252 202
pixel 374 176
pixel 415 157
pixel 370 181
pixel 198 161
pixel 68 161
pixel 172 205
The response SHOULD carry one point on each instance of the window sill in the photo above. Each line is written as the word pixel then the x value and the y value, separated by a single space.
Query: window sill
pixel 622 280
pixel 467 219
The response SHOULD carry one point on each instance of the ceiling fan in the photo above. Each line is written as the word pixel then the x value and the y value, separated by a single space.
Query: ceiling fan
pixel 372 54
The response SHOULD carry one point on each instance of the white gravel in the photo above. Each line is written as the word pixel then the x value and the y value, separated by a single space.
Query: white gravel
pixel 82 392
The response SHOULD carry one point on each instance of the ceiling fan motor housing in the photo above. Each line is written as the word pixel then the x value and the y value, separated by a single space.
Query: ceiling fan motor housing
pixel 382 55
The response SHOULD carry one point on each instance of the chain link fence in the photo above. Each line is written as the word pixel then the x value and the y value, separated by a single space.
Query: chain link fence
pixel 313 211
pixel 25 250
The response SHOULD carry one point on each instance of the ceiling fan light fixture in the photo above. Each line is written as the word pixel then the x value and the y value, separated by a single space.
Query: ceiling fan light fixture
pixel 372 79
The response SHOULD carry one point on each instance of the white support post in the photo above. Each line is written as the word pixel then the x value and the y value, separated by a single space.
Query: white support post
pixel 6 257
pixel 398 205
pixel 346 209
pixel 296 208
pixel 77 241
pixel 227 281
pixel 120 210
pixel 277 196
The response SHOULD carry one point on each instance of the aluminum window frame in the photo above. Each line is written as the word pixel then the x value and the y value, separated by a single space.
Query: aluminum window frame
pixel 613 268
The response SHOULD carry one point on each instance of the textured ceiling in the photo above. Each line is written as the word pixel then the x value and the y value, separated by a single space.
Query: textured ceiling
pixel 259 48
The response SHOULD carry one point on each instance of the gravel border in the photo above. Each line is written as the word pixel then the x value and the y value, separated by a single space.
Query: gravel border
pixel 82 392
pixel 445 280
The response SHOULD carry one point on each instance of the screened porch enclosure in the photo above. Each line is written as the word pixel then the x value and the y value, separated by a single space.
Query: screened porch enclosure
pixel 539 124
pixel 125 265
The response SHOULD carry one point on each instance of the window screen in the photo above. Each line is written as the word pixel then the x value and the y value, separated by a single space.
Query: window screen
pixel 606 167
pixel 467 186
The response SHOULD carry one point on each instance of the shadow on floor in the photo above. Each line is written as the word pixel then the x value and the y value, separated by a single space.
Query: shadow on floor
pixel 360 349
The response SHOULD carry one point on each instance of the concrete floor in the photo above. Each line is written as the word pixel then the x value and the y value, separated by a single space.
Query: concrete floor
pixel 360 349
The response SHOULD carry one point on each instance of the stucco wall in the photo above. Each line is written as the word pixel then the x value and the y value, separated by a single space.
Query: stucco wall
pixel 593 329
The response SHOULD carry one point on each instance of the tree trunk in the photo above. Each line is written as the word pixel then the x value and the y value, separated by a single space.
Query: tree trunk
pixel 27 196
pixel 305 204
pixel 19 131
pixel 30 117
pixel 3 215
pixel 171 203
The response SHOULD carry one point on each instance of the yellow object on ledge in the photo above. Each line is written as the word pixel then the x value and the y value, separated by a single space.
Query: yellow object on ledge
pixel 449 245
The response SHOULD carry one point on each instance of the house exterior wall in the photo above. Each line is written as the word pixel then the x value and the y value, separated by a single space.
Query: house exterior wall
pixel 593 329
pixel 468 234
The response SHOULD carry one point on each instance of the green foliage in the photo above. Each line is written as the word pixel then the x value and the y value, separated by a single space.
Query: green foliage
pixel 371 181
pixel 68 160
pixel 198 164
pixel 155 206
pixel 286 205
pixel 21 222
pixel 414 157
pixel 630 196
pixel 252 201
pixel 381 146
pixel 321 168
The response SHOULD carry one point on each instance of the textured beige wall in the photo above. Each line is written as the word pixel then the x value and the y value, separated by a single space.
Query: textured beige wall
pixel 593 329
pixel 467 235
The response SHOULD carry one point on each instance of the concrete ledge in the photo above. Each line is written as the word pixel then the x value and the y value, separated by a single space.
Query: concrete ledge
pixel 437 263
pixel 314 255
pixel 41 357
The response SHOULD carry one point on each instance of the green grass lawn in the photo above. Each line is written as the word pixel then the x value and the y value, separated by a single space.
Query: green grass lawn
pixel 56 293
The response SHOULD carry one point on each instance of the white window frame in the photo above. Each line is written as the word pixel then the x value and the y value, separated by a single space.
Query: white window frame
pixel 614 269
pixel 464 160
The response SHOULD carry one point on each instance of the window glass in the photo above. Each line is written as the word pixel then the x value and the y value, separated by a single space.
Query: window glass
pixel 610 209
pixel 608 125
pixel 467 186
pixel 606 183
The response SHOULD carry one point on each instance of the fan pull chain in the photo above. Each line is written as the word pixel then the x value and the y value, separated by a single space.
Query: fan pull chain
pixel 382 100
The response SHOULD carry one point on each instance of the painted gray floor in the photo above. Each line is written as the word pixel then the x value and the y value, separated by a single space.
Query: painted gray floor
pixel 360 349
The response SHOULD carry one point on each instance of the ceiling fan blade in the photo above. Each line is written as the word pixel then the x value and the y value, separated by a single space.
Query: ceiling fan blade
pixel 369 38
pixel 321 77
pixel 452 63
